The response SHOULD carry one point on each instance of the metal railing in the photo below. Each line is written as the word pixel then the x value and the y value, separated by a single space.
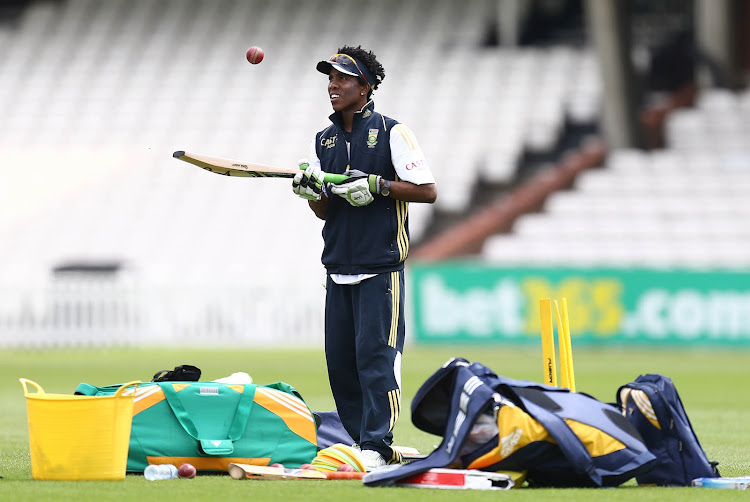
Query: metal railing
pixel 110 312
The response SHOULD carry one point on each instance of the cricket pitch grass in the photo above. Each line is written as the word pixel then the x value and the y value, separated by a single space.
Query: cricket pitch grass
pixel 713 385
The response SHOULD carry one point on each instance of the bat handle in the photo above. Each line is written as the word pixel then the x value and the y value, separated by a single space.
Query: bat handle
pixel 328 177
pixel 334 178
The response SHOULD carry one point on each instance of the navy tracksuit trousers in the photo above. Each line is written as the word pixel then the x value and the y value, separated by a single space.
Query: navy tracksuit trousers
pixel 364 339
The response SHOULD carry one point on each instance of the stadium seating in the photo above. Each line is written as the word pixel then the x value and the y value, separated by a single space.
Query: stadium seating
pixel 97 95
pixel 667 208
pixel 130 82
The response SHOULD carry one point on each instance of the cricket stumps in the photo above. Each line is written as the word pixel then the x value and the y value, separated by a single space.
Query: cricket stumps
pixel 549 361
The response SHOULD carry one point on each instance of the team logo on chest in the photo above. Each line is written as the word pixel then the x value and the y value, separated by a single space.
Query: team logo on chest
pixel 372 138
pixel 328 142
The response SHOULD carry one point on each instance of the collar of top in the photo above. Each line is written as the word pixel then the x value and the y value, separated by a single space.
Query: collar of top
pixel 365 112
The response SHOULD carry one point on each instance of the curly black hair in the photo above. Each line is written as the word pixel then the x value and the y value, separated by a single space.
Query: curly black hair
pixel 369 59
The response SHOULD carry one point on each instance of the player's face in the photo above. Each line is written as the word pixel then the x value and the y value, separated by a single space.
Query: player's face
pixel 346 92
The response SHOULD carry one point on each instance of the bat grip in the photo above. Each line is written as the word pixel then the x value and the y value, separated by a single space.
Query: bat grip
pixel 328 177
pixel 335 178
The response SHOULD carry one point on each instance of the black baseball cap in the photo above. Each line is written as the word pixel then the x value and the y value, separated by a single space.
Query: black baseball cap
pixel 348 65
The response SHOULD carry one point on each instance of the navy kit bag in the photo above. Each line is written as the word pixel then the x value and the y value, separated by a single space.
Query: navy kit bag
pixel 653 406
pixel 550 435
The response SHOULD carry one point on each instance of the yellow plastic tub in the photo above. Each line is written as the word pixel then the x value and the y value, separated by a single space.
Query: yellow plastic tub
pixel 78 437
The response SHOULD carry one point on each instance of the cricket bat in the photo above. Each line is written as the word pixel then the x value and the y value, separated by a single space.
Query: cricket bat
pixel 408 453
pixel 248 471
pixel 229 167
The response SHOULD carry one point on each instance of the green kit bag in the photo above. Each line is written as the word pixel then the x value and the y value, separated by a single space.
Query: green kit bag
pixel 211 425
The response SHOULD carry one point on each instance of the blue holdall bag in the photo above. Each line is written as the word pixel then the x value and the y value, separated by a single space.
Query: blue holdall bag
pixel 549 435
pixel 653 406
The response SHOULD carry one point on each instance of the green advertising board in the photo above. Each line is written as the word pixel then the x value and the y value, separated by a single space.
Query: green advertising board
pixel 467 302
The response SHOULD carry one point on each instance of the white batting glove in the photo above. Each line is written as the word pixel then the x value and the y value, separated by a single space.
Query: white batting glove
pixel 356 192
pixel 308 183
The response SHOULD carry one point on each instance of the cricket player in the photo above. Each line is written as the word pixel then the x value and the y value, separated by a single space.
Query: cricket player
pixel 366 241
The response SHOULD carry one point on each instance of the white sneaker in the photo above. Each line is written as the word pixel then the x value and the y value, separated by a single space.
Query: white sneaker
pixel 371 459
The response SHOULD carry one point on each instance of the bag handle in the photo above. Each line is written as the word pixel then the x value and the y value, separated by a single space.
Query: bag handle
pixel 241 415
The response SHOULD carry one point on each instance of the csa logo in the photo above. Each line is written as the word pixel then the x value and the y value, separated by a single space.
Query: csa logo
pixel 372 138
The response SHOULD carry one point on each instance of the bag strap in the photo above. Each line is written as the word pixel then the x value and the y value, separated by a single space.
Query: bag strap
pixel 566 439
pixel 284 387
pixel 241 415
pixel 86 389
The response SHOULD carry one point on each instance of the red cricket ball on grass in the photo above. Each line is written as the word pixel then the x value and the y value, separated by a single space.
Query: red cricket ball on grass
pixel 254 54
pixel 186 471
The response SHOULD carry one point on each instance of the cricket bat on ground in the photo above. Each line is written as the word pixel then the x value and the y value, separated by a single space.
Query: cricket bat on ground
pixel 229 167
pixel 248 471
pixel 408 453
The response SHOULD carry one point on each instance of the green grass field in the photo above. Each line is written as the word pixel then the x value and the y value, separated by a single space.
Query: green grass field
pixel 712 384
